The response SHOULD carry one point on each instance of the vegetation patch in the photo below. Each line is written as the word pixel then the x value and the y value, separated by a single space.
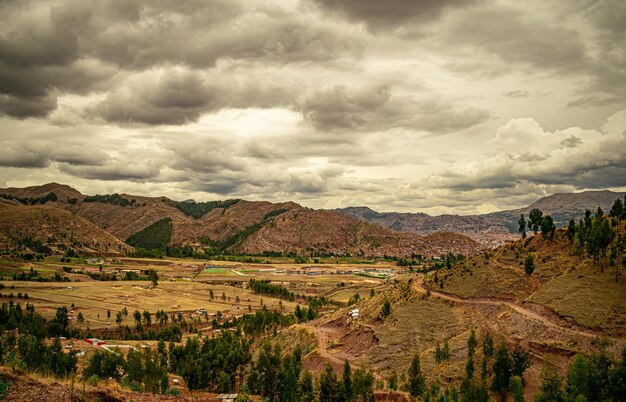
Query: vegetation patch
pixel 198 209
pixel 154 237
pixel 31 200
pixel 114 199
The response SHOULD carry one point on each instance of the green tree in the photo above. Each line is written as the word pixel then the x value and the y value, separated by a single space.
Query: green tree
pixel 392 382
pixel 547 227
pixel 80 319
pixel 330 389
pixel 522 226
pixel 386 309
pixel 520 362
pixel 534 217
pixel 578 378
pixel 363 385
pixel 347 381
pixel 617 210
pixel 416 378
pixel 153 277
pixel 137 317
pixel 147 318
pixel 488 345
pixel 118 318
pixel 551 389
pixel 571 229
pixel 529 265
pixel 502 367
pixel 307 391
pixel 516 388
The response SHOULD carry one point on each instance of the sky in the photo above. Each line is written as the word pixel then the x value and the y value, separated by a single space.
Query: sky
pixel 439 106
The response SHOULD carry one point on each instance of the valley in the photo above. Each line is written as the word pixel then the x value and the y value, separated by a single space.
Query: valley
pixel 325 290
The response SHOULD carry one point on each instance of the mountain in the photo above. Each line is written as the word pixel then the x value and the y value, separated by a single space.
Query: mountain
pixel 28 229
pixel 493 228
pixel 234 226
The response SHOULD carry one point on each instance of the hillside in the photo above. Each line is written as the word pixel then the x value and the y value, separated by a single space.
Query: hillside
pixel 22 226
pixel 565 307
pixel 493 228
pixel 305 231
pixel 239 226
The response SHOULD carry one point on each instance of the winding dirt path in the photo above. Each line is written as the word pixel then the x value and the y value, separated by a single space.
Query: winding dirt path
pixel 513 306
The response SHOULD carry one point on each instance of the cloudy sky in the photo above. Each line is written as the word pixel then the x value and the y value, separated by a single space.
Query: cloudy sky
pixel 441 106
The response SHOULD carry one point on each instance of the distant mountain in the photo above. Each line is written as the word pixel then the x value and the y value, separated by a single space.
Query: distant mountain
pixel 234 226
pixel 492 228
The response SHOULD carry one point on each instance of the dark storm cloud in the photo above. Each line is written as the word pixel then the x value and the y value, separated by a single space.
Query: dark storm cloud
pixel 390 14
pixel 22 156
pixel 179 96
pixel 511 35
pixel 74 47
pixel 26 106
pixel 519 38
pixel 119 170
pixel 35 153
pixel 375 108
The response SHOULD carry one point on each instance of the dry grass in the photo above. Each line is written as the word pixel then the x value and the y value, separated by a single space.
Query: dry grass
pixel 589 297
pixel 478 277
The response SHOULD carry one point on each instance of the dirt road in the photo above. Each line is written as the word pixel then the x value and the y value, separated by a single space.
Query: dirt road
pixel 513 306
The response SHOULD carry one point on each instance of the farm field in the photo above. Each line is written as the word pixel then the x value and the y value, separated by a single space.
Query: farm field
pixel 183 286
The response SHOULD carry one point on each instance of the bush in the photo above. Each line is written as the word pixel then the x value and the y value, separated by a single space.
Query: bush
pixel 4 389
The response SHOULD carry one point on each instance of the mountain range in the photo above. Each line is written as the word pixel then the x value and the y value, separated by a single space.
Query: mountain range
pixel 61 217
pixel 116 222
pixel 493 228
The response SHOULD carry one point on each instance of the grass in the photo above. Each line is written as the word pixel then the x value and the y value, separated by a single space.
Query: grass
pixel 416 325
pixel 591 298
pixel 478 278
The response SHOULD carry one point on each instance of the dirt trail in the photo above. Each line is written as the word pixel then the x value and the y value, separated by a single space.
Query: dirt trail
pixel 322 336
pixel 497 302
pixel 534 281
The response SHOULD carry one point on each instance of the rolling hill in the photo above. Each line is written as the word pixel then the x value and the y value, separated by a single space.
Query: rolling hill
pixel 27 229
pixel 235 226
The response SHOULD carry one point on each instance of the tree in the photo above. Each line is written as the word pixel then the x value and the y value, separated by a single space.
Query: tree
pixel 521 361
pixel 307 392
pixel 363 385
pixel 80 319
pixel 547 227
pixel 535 219
pixel 578 378
pixel 502 371
pixel 522 225
pixel 551 389
pixel 529 265
pixel 153 277
pixel 571 229
pixel 516 388
pixel 617 210
pixel 330 389
pixel 392 382
pixel 118 318
pixel 347 381
pixel 146 317
pixel 416 378
pixel 488 345
pixel 386 309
